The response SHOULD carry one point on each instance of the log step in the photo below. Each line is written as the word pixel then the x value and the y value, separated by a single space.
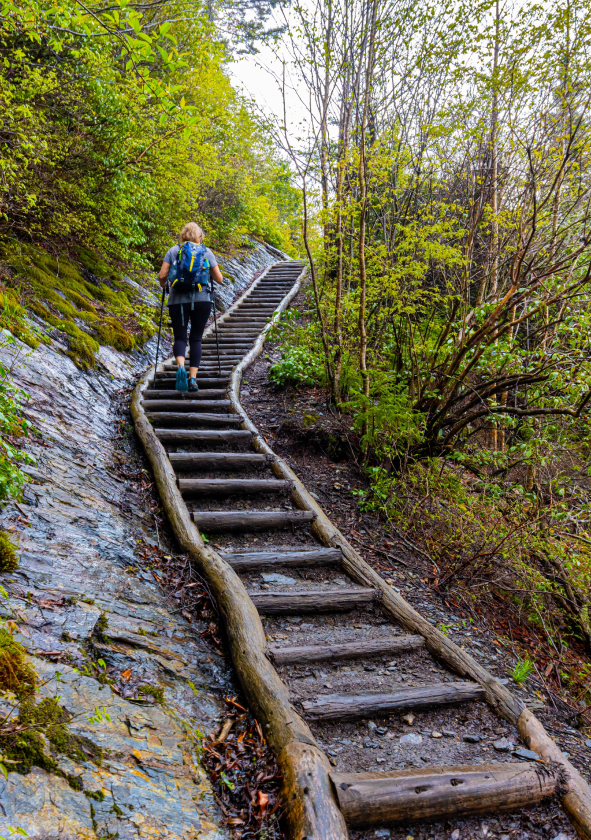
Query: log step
pixel 208 435
pixel 351 706
pixel 194 417
pixel 349 650
pixel 206 394
pixel 216 460
pixel 232 486
pixel 176 405
pixel 203 380
pixel 434 793
pixel 251 561
pixel 315 601
pixel 254 520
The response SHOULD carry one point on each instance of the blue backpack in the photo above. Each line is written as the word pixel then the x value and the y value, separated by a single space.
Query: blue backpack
pixel 190 271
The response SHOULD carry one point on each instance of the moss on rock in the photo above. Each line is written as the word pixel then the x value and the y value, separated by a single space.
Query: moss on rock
pixel 16 674
pixel 8 557
pixel 84 306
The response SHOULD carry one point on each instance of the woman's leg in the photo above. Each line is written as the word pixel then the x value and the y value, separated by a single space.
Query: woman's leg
pixel 179 318
pixel 180 325
pixel 199 315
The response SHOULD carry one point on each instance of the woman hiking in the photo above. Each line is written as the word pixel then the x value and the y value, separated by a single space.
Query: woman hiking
pixel 190 298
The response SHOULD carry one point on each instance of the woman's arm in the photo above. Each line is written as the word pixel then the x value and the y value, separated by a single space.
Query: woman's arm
pixel 163 273
pixel 216 274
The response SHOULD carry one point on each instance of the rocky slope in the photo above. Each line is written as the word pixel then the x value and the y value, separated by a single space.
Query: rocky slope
pixel 133 684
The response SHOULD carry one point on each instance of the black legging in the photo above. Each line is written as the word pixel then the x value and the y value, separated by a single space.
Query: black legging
pixel 180 315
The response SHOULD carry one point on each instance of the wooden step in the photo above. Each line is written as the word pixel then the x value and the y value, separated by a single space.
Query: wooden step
pixel 185 405
pixel 348 650
pixel 183 396
pixel 209 435
pixel 313 601
pixel 351 706
pixel 216 460
pixel 205 363
pixel 232 486
pixel 434 793
pixel 248 560
pixel 203 380
pixel 250 520
pixel 188 417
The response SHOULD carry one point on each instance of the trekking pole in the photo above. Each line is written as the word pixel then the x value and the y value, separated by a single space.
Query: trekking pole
pixel 159 331
pixel 216 337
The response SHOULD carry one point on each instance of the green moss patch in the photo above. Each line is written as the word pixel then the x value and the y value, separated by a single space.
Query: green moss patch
pixel 42 734
pixel 16 674
pixel 8 557
pixel 89 303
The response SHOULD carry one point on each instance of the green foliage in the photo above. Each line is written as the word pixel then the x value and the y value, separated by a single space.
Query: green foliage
pixel 522 670
pixel 121 131
pixel 9 560
pixel 301 362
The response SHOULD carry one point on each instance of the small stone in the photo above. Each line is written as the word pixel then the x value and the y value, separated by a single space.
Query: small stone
pixel 588 742
pixel 277 577
pixel 435 734
pixel 562 836
pixel 317 497
pixel 448 733
pixel 409 718
pixel 470 738
pixel 455 835
pixel 503 745
pixel 526 755
pixel 372 726
pixel 382 832
pixel 369 667
pixel 411 740
pixel 380 760
pixel 381 730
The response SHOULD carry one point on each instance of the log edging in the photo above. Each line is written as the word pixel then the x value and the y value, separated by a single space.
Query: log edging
pixel 577 793
pixel 311 809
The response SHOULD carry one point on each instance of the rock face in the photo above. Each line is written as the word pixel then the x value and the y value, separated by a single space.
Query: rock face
pixel 81 595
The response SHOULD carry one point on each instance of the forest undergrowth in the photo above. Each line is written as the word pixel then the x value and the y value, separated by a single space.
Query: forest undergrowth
pixel 488 543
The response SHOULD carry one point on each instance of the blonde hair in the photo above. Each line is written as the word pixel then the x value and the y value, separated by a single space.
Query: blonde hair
pixel 192 233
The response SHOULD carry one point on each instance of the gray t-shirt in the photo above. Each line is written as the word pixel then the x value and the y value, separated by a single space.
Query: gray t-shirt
pixel 188 297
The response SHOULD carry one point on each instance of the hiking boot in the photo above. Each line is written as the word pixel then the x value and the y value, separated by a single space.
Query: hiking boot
pixel 193 384
pixel 181 379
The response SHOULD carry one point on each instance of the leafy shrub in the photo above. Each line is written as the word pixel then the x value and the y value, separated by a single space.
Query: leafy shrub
pixel 296 367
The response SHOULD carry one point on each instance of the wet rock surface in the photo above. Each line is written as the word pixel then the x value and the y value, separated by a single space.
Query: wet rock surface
pixel 86 606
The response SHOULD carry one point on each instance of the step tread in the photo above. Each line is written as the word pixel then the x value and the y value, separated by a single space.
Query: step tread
pixel 346 650
pixel 341 706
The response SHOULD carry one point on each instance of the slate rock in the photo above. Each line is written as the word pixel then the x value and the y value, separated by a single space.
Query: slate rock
pixel 526 755
pixel 503 745
pixel 411 739
pixel 471 738
pixel 277 577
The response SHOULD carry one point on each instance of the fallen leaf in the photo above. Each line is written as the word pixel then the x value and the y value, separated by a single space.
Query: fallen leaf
pixel 125 675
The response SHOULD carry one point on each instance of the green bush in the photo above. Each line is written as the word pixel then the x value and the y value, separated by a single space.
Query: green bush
pixel 297 367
